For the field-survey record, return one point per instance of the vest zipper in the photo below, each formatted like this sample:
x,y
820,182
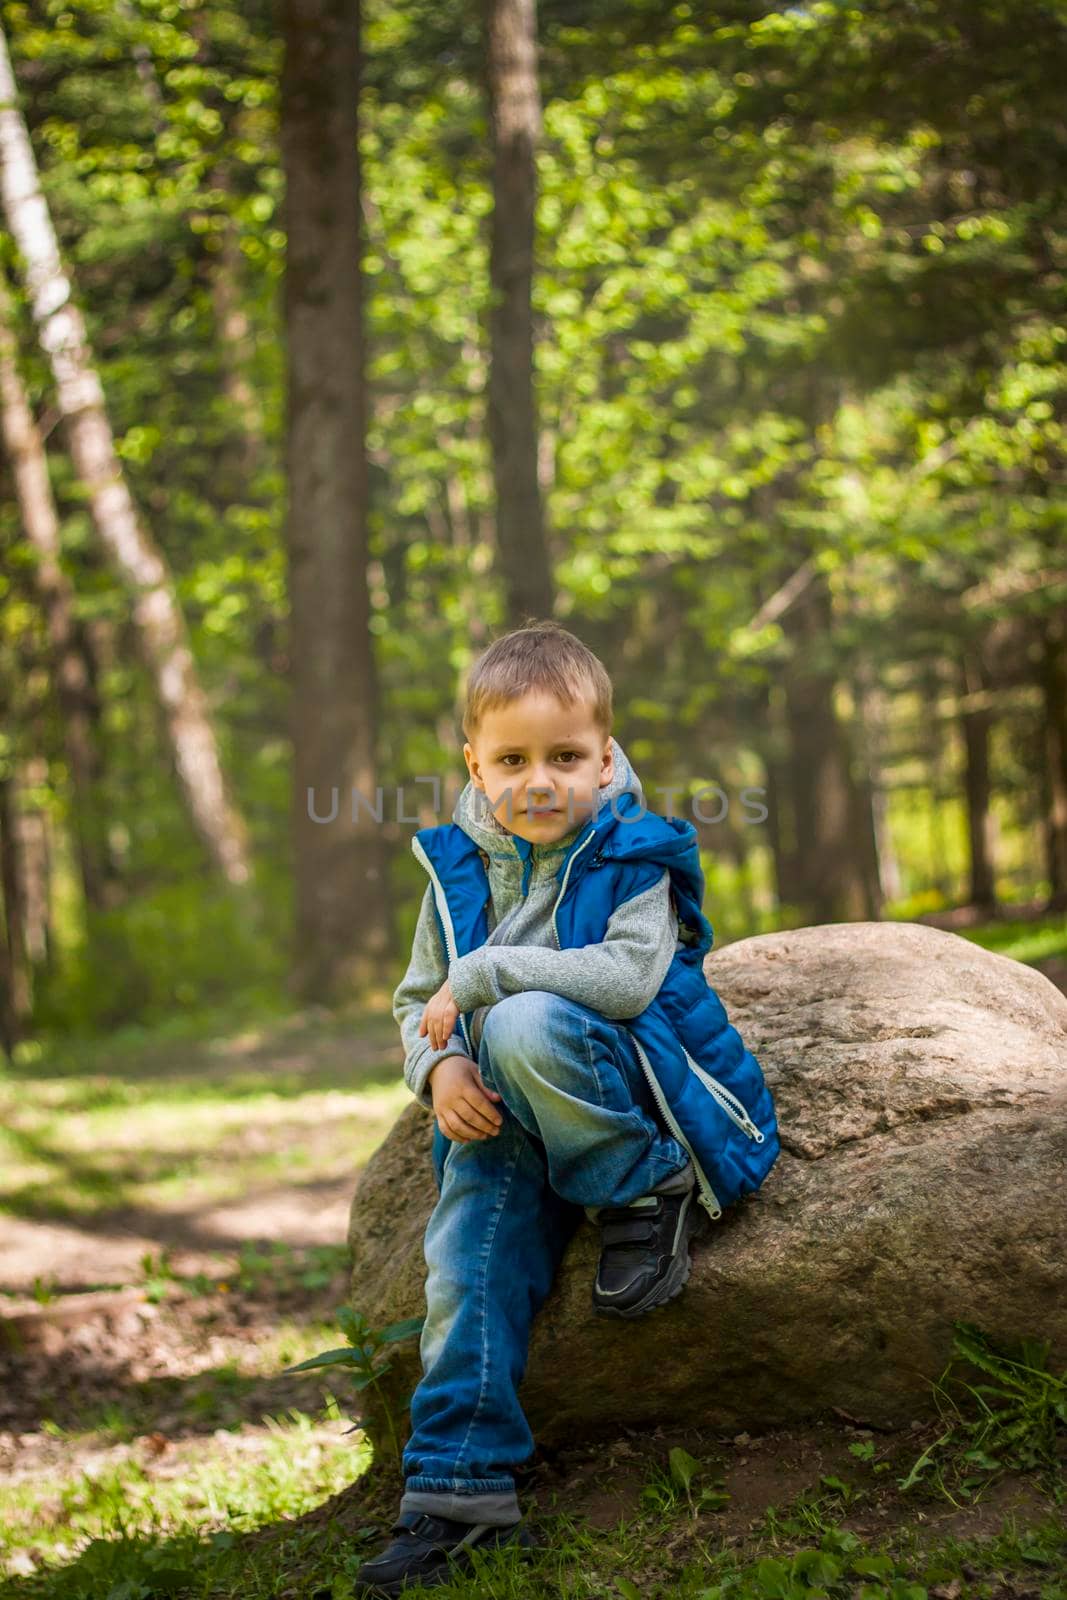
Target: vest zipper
x,y
729,1102
563,886
446,922
708,1198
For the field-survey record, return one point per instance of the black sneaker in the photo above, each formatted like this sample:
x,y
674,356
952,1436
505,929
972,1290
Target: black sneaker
x,y
431,1550
644,1253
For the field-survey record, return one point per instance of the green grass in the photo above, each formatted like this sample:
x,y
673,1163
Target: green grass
x,y
279,1471
120,1533
245,1516
295,1050
92,1126
1030,940
1023,941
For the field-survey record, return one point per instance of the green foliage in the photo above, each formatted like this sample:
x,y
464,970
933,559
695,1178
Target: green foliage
x,y
1013,1423
361,1355
183,944
797,298
665,1489
135,1535
1040,940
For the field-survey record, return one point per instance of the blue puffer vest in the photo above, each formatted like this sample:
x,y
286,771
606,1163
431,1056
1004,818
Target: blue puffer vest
x,y
708,1086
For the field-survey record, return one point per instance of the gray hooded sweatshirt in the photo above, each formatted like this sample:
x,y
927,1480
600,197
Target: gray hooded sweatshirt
x,y
618,978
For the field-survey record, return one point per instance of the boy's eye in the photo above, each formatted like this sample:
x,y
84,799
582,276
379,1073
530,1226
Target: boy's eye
x,y
564,753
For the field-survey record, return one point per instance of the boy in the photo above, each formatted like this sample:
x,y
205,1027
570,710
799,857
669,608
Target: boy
x,y
557,1022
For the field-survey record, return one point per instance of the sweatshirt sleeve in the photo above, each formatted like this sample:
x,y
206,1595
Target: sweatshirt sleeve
x,y
427,971
618,977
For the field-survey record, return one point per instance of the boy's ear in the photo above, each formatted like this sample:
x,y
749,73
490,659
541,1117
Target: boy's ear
x,y
472,766
607,770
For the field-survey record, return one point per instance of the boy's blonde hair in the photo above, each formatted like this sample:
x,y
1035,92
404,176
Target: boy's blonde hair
x,y
539,655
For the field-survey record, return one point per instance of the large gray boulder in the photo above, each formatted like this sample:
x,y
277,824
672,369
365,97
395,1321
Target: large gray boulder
x,y
921,1087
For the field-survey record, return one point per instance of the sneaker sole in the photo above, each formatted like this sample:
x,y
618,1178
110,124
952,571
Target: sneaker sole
x,y
669,1286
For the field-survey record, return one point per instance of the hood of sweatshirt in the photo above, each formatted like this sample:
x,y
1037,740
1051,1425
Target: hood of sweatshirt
x,y
473,814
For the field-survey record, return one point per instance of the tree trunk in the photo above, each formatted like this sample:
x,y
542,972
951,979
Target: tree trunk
x,y
941,785
245,454
33,850
515,125
882,879
75,693
780,824
343,922
864,845
232,325
830,855
976,725
15,986
784,877
138,563
1053,672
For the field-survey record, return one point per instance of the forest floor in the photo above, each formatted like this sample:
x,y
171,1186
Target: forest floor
x,y
172,1218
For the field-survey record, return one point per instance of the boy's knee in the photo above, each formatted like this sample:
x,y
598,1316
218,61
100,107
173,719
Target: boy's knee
x,y
516,1025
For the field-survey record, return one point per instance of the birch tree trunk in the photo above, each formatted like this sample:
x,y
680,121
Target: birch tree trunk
x,y
515,122
139,564
34,852
16,994
40,522
343,919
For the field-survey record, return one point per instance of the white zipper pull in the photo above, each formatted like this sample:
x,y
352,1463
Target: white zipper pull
x,y
726,1099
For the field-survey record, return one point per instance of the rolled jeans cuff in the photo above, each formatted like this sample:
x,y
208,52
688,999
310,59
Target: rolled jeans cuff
x,y
495,1505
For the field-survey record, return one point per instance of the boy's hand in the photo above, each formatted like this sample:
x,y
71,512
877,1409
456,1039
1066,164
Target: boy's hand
x,y
440,1016
462,1102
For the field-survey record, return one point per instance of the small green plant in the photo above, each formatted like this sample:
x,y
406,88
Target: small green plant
x,y
44,1292
839,1489
158,1276
812,1512
258,1266
361,1354
323,1264
1019,1413
665,1488
864,1451
839,1567
276,1267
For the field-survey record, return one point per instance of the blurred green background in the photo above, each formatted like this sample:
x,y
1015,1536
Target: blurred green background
x,y
798,368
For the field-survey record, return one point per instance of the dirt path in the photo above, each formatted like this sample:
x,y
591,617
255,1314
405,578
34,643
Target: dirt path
x,y
109,1248
206,1150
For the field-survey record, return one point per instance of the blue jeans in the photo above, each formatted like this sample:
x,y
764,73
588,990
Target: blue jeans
x,y
579,1130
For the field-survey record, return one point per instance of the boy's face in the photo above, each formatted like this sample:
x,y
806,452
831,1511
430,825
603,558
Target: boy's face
x,y
552,758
